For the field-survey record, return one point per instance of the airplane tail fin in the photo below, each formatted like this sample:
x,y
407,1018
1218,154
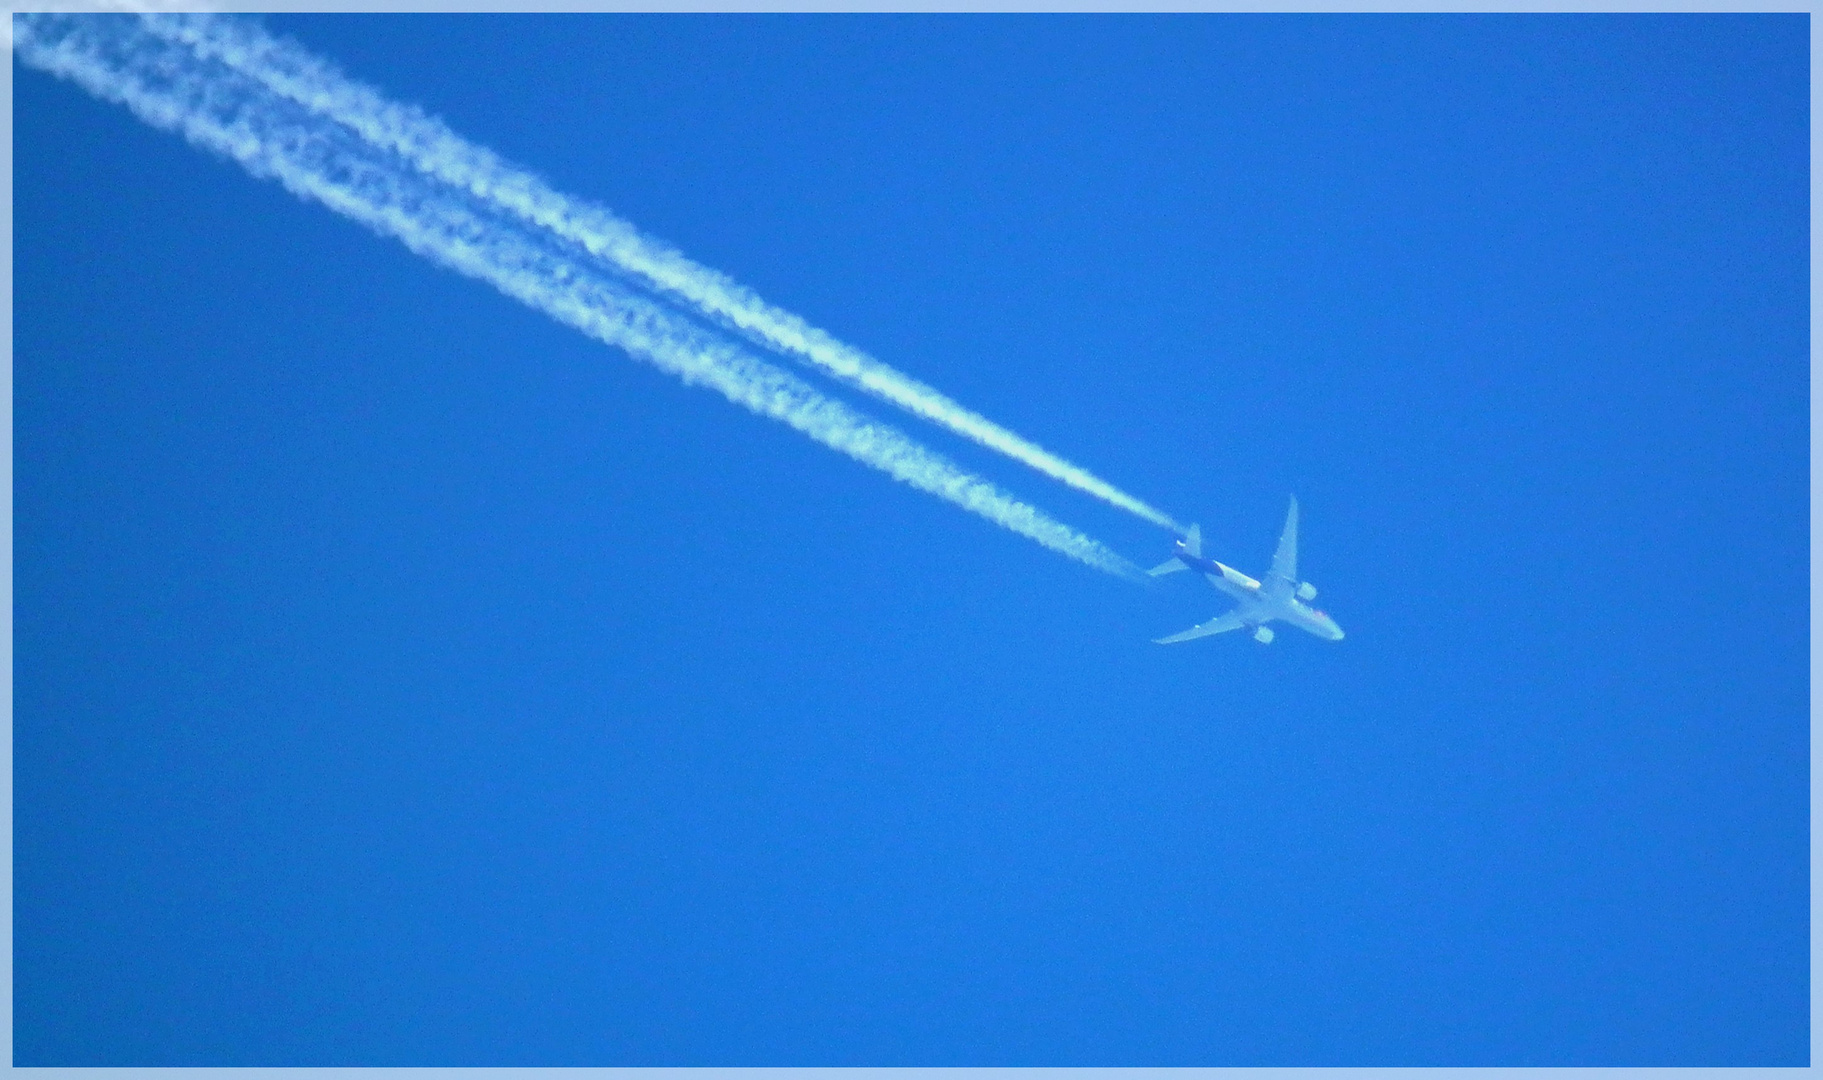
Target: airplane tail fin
x,y
1193,545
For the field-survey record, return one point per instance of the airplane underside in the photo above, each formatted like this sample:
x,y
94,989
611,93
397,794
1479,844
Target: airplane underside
x,y
1280,598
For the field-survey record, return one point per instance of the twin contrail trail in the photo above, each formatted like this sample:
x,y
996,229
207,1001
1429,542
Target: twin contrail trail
x,y
154,66
432,148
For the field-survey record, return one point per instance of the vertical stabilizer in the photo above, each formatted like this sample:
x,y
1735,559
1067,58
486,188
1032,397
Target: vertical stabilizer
x,y
1191,543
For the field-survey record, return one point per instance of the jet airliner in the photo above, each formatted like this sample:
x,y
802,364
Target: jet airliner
x,y
1279,598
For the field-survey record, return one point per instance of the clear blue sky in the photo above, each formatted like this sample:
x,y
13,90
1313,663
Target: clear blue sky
x,y
403,678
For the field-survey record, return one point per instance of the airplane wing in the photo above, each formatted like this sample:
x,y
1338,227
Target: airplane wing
x,y
1285,559
1221,624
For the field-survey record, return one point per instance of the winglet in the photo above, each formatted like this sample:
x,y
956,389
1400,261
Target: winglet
x,y
1193,540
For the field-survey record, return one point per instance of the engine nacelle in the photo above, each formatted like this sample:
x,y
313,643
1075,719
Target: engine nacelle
x,y
1262,635
1307,591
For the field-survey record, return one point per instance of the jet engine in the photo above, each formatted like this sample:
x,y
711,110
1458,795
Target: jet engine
x,y
1262,635
1307,591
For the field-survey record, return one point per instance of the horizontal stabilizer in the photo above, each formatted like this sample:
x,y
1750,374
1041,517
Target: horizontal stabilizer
x,y
1169,566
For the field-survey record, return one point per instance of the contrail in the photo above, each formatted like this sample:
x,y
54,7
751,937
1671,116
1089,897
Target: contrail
x,y
431,147
115,59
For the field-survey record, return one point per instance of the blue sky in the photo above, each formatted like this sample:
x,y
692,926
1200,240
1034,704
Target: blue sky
x,y
403,678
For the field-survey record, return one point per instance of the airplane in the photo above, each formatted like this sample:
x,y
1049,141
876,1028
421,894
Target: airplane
x,y
1279,598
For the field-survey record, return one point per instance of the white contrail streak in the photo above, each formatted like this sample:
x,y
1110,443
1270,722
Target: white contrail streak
x,y
431,147
212,107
